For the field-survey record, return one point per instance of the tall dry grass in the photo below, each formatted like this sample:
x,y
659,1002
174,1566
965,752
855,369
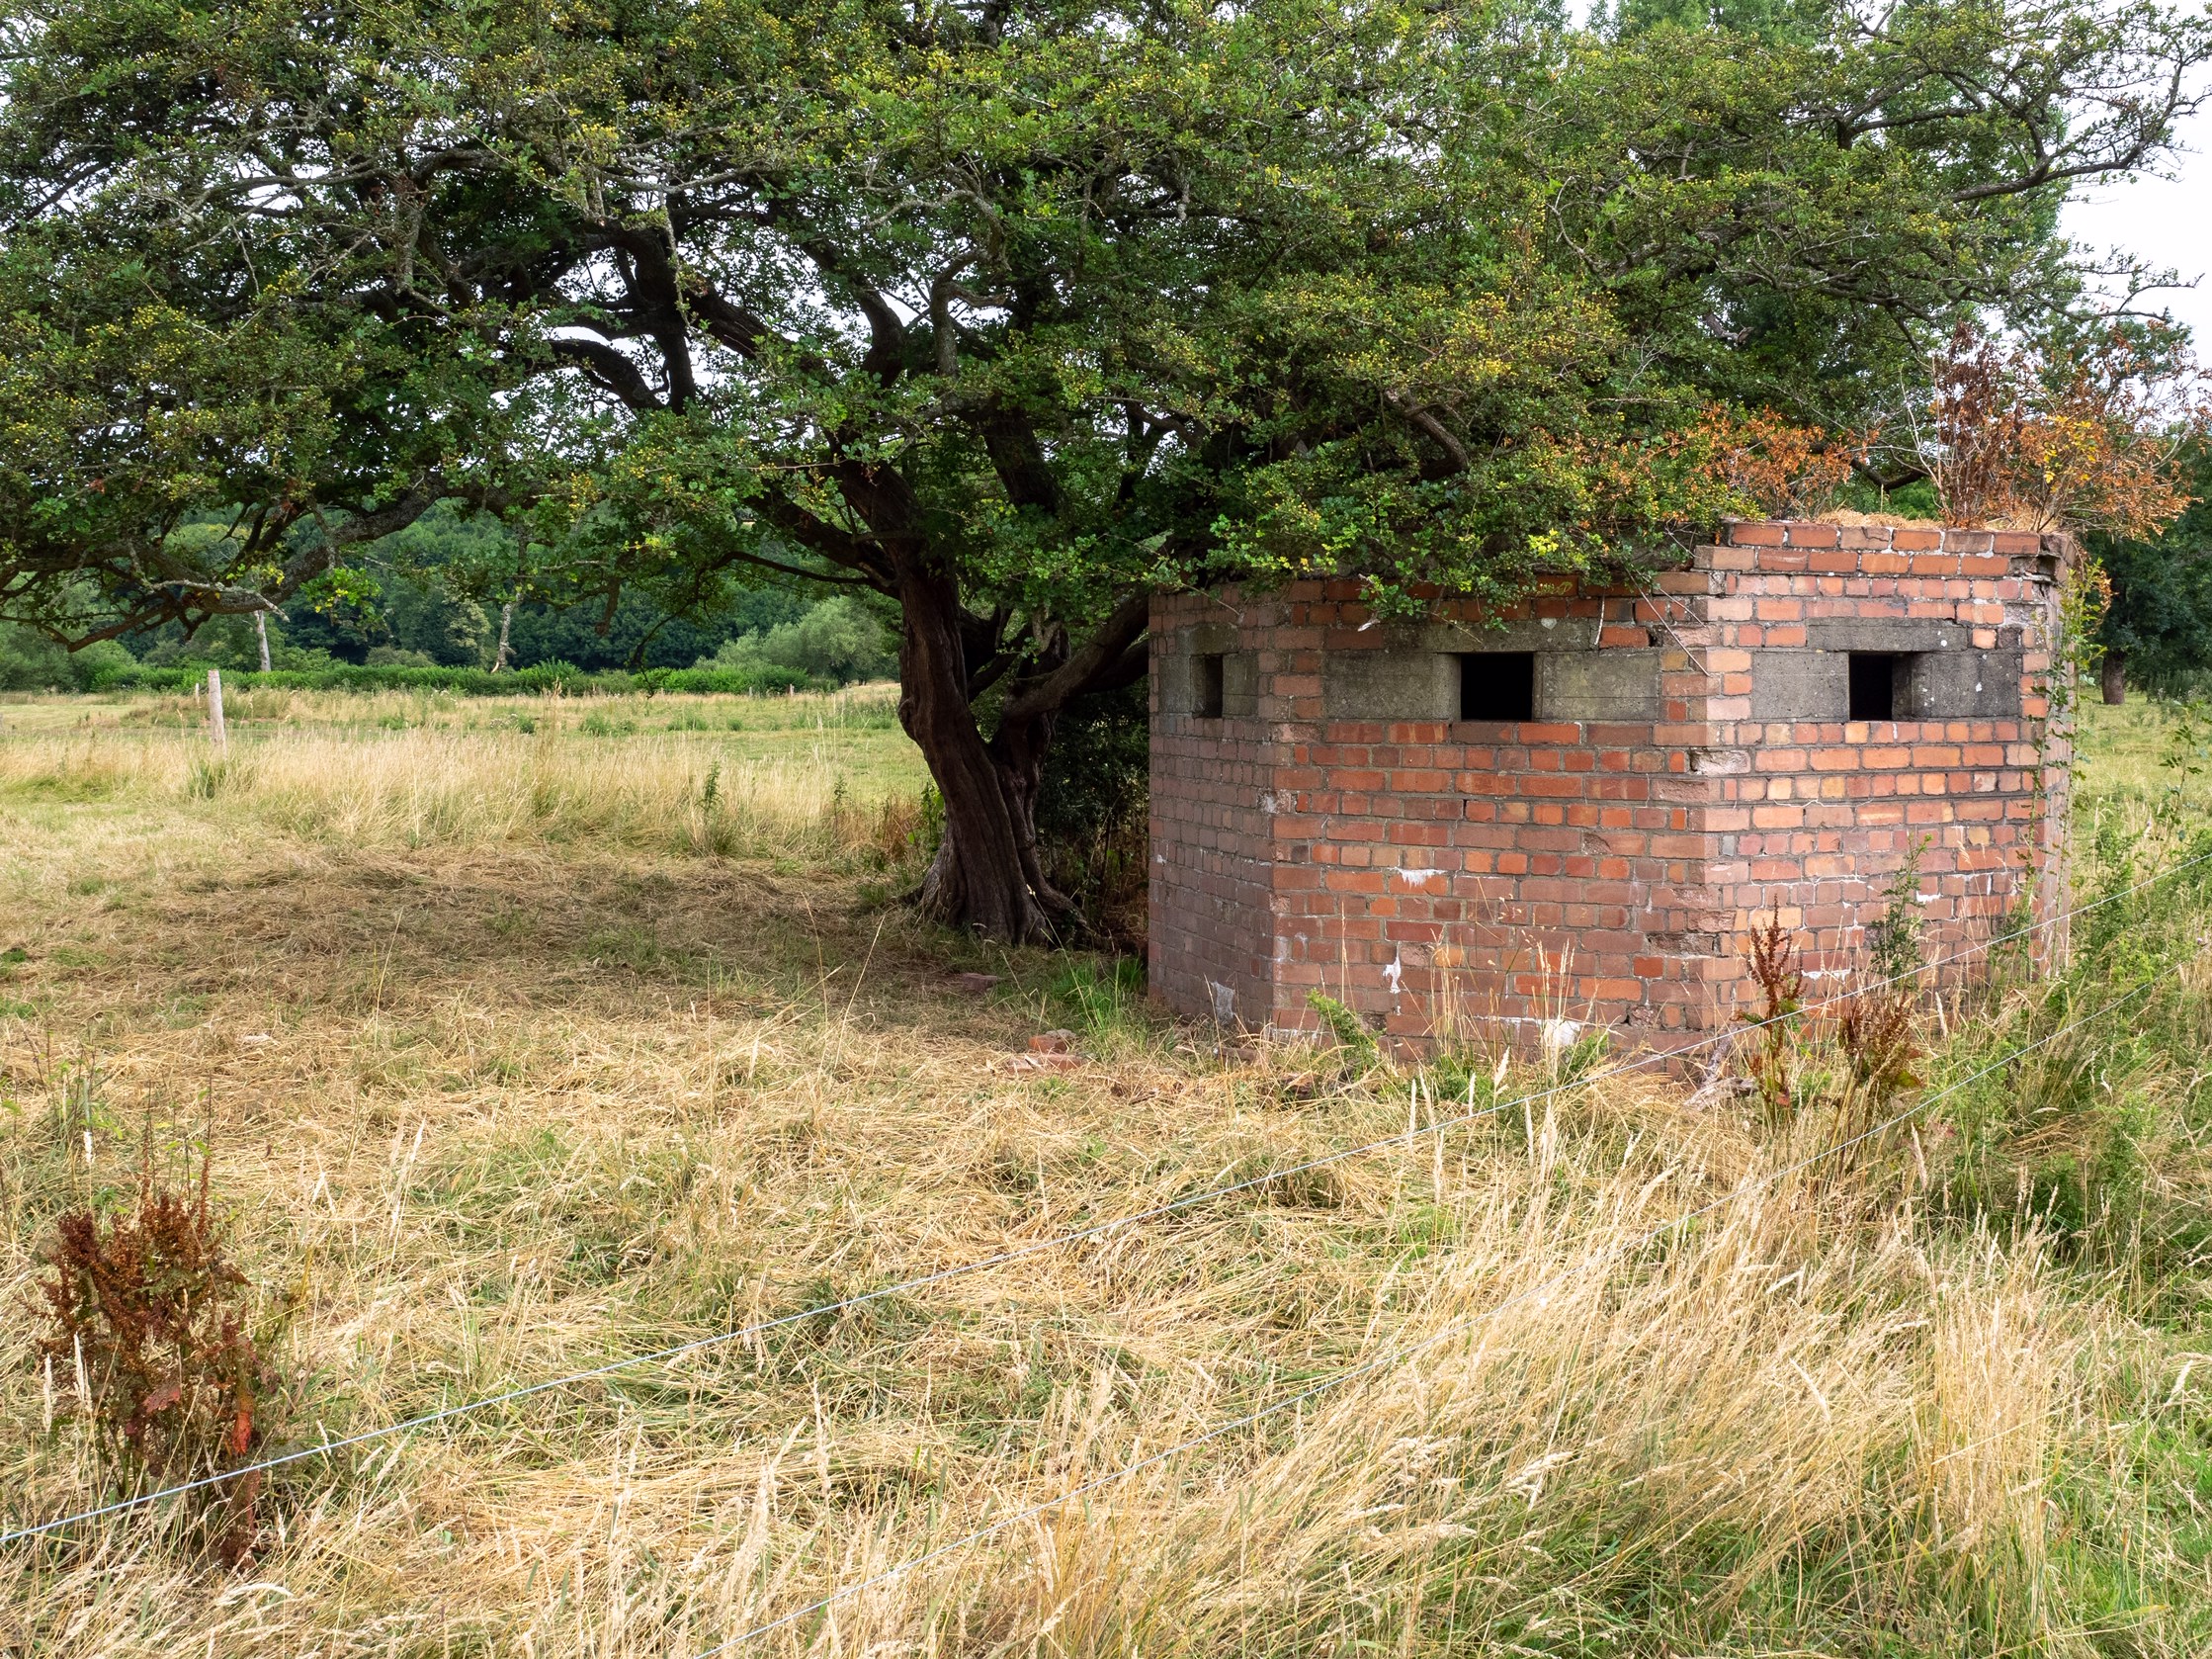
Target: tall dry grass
x,y
422,787
507,1090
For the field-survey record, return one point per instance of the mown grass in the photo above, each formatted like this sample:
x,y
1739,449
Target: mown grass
x,y
507,1071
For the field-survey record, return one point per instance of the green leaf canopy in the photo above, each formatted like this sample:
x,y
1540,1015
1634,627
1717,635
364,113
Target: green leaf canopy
x,y
1068,296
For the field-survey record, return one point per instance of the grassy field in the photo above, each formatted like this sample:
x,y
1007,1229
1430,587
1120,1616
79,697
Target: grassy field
x,y
526,1035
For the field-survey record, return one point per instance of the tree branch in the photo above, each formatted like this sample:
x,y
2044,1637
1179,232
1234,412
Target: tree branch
x,y
1427,420
1086,668
611,371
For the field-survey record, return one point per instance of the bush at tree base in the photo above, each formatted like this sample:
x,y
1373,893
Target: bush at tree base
x,y
1093,809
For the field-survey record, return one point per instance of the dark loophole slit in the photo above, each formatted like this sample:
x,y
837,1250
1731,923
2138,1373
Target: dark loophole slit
x,y
1498,686
1208,685
1875,676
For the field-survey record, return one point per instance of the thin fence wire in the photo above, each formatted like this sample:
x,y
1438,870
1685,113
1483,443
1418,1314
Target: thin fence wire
x,y
923,1281
1398,1355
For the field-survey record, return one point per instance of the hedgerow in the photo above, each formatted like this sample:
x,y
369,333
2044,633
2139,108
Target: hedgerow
x,y
468,682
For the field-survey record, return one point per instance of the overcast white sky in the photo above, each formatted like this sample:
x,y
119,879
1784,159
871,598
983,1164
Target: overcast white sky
x,y
2168,222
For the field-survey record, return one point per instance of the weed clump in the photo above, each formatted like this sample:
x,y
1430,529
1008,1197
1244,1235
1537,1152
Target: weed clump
x,y
1876,1026
1781,985
205,780
1879,1037
1356,1048
146,1321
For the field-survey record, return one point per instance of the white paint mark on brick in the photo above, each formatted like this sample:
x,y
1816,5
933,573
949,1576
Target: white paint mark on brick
x,y
1418,878
1395,973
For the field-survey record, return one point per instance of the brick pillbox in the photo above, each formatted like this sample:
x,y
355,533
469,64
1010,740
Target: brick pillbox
x,y
1454,826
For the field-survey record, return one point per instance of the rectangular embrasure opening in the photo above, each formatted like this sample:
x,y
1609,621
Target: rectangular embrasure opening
x,y
1208,684
1879,682
1498,686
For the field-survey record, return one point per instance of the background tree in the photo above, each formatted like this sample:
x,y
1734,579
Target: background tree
x,y
1008,311
2157,629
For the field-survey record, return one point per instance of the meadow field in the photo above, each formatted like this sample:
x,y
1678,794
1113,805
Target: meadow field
x,y
521,1037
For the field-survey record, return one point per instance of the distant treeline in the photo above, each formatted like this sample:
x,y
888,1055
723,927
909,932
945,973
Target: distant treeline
x,y
409,625
564,677
29,662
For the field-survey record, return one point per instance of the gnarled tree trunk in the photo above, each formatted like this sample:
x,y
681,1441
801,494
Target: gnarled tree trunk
x,y
978,877
2115,676
1017,754
988,873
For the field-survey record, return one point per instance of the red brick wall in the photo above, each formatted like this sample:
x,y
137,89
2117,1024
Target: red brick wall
x,y
1437,874
1212,859
1822,814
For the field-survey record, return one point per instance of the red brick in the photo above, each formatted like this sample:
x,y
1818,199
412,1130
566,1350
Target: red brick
x,y
1756,534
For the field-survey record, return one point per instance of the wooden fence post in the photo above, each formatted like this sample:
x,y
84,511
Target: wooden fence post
x,y
216,733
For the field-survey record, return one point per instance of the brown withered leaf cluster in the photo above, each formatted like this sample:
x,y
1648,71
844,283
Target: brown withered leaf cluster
x,y
146,1323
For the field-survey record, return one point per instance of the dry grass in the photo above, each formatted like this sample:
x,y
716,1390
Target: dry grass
x,y
438,782
513,1069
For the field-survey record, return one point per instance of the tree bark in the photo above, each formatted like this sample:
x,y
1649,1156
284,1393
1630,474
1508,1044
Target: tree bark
x,y
1017,755
261,636
2115,676
979,877
506,623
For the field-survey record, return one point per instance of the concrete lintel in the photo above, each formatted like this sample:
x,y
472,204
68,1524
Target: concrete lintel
x,y
1529,633
1597,686
1389,683
1886,633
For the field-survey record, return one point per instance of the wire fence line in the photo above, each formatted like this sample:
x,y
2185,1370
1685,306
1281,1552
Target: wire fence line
x,y
1397,1355
721,1338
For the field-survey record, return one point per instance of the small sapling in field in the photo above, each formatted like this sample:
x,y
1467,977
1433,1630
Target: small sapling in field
x,y
147,1337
